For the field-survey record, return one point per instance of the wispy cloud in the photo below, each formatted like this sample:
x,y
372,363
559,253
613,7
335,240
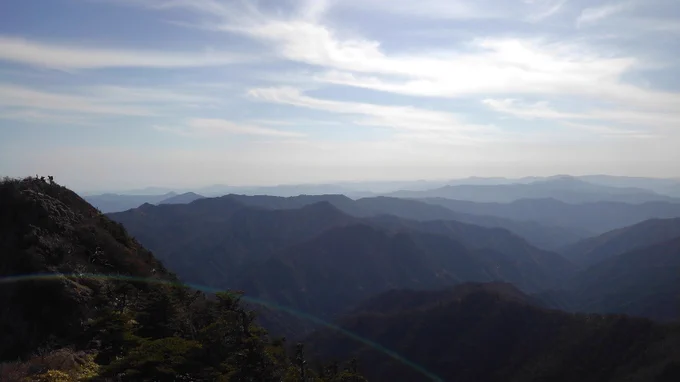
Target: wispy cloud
x,y
648,124
439,9
147,95
544,8
41,117
19,96
78,104
484,66
395,117
594,14
208,127
463,83
70,56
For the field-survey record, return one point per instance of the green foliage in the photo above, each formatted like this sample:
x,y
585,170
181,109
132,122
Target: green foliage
x,y
160,359
105,329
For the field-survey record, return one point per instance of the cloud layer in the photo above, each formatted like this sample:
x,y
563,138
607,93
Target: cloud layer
x,y
427,84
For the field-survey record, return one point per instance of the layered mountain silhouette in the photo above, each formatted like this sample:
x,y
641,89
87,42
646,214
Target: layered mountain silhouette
x,y
595,217
418,291
642,282
546,236
493,332
184,198
596,249
565,188
213,240
115,202
341,267
320,261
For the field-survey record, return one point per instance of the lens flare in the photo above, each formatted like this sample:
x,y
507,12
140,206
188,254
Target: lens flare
x,y
208,289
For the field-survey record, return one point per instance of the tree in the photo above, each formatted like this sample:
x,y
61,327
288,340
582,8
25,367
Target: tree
x,y
158,360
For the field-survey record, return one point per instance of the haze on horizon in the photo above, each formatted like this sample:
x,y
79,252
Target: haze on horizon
x,y
123,94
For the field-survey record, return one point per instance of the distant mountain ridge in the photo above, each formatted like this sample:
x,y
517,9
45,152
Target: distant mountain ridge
x,y
546,236
596,217
649,232
184,198
566,188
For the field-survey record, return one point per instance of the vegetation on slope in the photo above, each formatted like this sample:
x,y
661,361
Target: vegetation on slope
x,y
491,332
131,322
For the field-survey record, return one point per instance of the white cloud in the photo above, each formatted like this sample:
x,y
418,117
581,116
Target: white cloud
x,y
440,9
544,8
207,127
396,117
486,66
649,124
506,64
66,56
594,14
19,96
40,117
157,95
538,110
80,104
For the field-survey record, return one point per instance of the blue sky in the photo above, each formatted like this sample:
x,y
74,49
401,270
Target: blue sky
x,y
129,93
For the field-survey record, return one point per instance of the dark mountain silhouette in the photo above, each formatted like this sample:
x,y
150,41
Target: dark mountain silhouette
x,y
341,267
211,241
184,198
494,333
342,202
565,188
642,282
549,237
541,235
114,202
319,260
131,322
594,250
540,268
598,217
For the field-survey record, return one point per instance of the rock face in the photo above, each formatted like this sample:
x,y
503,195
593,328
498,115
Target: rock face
x,y
47,229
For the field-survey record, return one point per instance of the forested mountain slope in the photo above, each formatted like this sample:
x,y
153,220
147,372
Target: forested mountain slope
x,y
596,249
641,282
493,333
318,260
546,236
81,300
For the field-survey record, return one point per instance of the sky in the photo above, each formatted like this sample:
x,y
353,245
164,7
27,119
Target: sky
x,y
107,94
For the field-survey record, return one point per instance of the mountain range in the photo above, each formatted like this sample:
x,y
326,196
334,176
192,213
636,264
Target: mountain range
x,y
611,244
567,189
305,253
322,261
593,217
545,236
406,290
